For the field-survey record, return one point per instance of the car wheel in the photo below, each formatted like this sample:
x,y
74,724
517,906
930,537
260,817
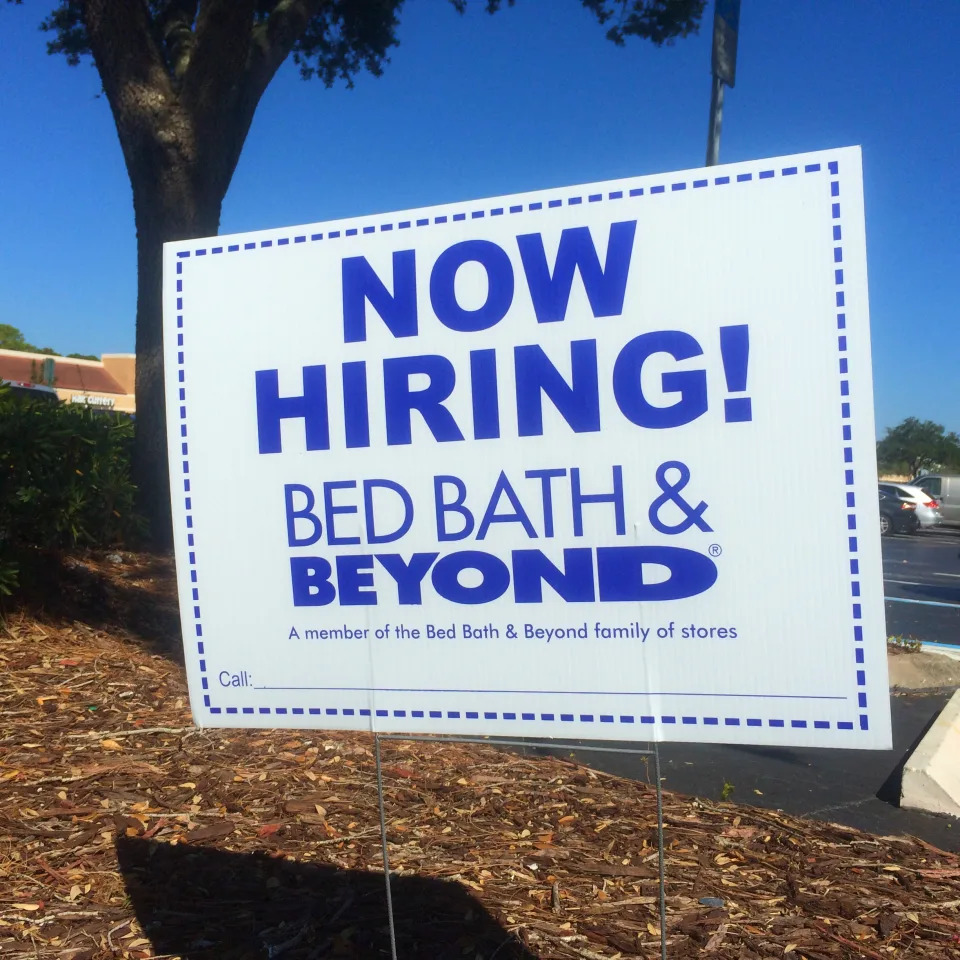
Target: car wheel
x,y
886,527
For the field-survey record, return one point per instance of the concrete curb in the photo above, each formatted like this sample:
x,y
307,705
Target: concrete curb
x,y
944,649
931,775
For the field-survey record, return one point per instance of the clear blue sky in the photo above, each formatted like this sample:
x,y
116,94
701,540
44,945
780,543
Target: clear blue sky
x,y
533,97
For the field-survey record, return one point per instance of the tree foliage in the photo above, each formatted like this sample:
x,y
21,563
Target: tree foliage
x,y
917,445
659,21
330,39
341,37
184,78
12,339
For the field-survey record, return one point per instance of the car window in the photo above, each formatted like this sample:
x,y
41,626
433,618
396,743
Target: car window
x,y
930,485
32,394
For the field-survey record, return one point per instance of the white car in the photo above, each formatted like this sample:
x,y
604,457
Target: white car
x,y
928,509
30,391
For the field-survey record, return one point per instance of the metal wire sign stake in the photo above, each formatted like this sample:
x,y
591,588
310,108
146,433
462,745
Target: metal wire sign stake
x,y
550,745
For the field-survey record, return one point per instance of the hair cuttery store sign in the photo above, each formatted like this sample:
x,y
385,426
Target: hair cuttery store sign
x,y
92,401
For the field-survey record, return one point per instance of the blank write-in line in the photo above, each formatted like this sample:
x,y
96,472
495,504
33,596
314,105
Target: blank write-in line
x,y
572,693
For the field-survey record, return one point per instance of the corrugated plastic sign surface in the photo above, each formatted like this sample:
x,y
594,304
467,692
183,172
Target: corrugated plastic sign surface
x,y
591,462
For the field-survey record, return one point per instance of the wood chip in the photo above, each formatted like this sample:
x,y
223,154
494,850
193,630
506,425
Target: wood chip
x,y
120,823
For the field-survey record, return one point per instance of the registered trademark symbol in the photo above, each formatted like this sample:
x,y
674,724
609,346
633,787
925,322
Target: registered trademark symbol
x,y
715,550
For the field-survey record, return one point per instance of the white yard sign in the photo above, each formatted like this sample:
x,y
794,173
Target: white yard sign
x,y
588,462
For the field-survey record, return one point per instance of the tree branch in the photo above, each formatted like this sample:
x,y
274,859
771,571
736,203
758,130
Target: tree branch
x,y
270,44
220,56
132,70
175,27
121,41
278,36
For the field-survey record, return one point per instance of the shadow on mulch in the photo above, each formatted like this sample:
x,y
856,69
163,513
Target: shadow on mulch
x,y
204,904
135,597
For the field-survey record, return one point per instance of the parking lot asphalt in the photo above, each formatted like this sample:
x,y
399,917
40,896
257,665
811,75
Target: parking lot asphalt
x,y
859,788
921,583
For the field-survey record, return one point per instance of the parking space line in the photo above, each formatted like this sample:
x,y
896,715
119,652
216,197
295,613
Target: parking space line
x,y
924,603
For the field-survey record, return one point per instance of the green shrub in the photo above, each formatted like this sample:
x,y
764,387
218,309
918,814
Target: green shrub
x,y
64,479
908,644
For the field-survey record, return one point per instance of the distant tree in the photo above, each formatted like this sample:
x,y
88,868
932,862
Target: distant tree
x,y
184,78
12,339
915,445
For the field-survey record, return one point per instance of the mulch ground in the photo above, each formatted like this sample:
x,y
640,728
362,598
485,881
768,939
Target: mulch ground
x,y
127,832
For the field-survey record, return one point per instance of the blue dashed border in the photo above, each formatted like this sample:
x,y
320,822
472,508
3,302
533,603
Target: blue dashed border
x,y
832,168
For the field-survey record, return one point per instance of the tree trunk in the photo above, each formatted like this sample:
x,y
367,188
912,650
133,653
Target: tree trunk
x,y
181,133
172,211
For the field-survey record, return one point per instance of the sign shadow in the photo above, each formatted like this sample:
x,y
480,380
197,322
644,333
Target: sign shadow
x,y
199,903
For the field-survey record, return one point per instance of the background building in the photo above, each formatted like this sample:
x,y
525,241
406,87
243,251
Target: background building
x,y
107,383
